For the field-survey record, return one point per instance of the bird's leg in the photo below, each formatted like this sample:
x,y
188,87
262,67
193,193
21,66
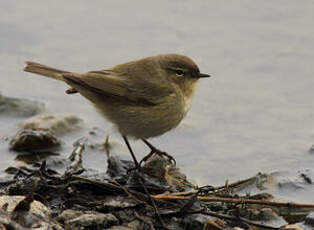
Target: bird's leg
x,y
137,165
141,180
154,150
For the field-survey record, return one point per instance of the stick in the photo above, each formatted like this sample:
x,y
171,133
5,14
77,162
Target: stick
x,y
236,200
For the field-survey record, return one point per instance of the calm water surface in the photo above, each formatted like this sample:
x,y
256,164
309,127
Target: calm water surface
x,y
256,114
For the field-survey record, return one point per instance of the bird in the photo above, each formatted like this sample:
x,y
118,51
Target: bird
x,y
143,98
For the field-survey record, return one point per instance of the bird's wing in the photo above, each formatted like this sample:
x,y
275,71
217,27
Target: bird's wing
x,y
119,87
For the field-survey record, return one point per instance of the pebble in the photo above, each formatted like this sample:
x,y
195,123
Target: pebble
x,y
30,140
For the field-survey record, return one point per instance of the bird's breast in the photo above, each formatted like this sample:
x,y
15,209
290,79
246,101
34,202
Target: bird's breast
x,y
187,104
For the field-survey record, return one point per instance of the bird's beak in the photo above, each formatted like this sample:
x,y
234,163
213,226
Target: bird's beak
x,y
201,75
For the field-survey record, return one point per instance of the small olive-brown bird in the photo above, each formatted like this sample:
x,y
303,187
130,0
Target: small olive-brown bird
x,y
143,98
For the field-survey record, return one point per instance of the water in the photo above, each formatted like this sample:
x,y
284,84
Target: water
x,y
255,114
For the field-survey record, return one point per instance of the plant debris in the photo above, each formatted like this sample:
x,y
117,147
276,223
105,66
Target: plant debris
x,y
158,196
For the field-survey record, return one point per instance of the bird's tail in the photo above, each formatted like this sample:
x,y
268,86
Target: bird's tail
x,y
43,70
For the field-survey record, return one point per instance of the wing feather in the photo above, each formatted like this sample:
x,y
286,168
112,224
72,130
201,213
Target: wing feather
x,y
119,87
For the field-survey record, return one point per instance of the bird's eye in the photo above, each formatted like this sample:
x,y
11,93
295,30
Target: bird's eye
x,y
179,72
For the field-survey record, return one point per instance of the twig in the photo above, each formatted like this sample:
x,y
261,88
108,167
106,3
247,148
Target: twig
x,y
116,188
189,204
43,172
7,183
238,183
218,215
217,189
107,185
76,158
236,200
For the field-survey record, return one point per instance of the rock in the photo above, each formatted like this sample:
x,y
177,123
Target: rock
x,y
196,221
29,140
22,213
50,157
309,219
116,203
97,221
126,215
263,214
57,124
36,208
19,107
69,214
145,223
117,168
88,219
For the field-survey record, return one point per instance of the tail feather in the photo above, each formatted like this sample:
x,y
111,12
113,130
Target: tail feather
x,y
47,71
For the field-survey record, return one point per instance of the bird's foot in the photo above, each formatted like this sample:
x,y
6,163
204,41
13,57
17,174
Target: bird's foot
x,y
154,150
160,153
148,156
